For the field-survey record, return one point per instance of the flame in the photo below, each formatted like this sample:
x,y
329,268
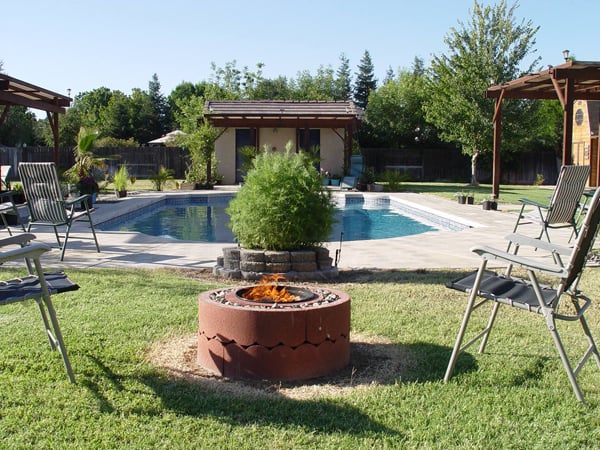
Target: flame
x,y
268,289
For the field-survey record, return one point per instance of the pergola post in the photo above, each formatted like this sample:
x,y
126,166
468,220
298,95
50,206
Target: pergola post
x,y
497,146
567,156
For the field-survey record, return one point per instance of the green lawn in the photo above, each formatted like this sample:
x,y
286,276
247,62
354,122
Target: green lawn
x,y
515,396
508,193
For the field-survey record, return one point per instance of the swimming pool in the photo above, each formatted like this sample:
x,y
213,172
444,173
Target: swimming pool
x,y
203,219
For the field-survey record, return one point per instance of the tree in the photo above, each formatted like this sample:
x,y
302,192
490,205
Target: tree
x,y
365,81
488,49
115,118
141,114
395,111
199,139
161,116
20,128
343,81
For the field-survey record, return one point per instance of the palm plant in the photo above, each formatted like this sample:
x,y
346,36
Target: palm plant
x,y
85,159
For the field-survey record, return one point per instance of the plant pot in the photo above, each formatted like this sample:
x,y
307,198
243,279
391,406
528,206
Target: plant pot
x,y
470,200
187,186
490,205
121,194
462,199
203,186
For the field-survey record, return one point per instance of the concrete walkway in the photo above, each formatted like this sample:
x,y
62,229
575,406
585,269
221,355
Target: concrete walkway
x,y
437,249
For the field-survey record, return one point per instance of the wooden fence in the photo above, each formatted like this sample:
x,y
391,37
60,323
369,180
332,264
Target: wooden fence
x,y
429,164
141,161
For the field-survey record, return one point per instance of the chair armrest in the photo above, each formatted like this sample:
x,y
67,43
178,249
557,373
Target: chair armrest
x,y
29,251
532,203
77,199
521,240
17,239
527,263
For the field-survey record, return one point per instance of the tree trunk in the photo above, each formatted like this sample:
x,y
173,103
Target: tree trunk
x,y
474,157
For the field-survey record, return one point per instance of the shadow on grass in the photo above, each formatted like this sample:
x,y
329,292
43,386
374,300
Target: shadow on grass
x,y
417,276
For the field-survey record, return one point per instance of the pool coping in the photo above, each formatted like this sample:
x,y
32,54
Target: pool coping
x,y
433,249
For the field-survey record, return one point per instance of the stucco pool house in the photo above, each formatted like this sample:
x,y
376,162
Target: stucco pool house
x,y
327,125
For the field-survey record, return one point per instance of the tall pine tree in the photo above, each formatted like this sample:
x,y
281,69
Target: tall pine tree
x,y
343,81
365,81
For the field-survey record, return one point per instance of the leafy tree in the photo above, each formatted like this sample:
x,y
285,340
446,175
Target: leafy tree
x,y
236,84
273,89
365,81
395,110
199,139
20,128
115,118
343,81
141,114
321,86
490,47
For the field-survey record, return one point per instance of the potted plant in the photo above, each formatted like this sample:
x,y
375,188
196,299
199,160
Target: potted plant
x,y
88,185
490,204
120,181
470,198
282,182
161,178
461,197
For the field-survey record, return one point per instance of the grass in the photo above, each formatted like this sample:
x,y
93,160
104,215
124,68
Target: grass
x,y
514,396
508,193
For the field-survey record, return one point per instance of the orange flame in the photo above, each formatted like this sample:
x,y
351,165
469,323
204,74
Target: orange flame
x,y
268,289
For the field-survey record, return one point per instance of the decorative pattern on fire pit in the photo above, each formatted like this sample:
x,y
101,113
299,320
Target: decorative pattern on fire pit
x,y
238,338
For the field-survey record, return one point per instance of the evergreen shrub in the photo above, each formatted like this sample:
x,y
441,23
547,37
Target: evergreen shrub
x,y
281,205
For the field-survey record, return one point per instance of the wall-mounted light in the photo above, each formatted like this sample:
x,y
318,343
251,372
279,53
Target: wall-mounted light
x,y
566,54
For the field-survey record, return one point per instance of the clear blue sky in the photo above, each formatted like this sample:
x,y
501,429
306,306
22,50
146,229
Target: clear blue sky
x,y
85,44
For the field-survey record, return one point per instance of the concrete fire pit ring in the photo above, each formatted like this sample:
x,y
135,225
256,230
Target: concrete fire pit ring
x,y
239,338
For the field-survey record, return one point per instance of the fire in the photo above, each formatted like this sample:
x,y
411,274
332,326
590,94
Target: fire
x,y
268,289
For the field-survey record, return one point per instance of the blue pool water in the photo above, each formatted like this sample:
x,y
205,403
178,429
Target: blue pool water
x,y
207,222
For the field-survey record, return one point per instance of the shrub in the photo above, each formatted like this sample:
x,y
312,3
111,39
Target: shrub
x,y
161,178
281,205
121,178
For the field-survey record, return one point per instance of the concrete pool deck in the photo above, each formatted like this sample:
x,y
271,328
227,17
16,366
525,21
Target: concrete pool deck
x,y
436,249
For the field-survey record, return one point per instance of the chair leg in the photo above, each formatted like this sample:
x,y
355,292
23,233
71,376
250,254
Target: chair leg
x,y
488,328
52,327
94,233
565,360
458,347
64,247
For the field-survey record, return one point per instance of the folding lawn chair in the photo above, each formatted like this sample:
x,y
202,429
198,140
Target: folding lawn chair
x,y
36,285
561,212
528,294
47,207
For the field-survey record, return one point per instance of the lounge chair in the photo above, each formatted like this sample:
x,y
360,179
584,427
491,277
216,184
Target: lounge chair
x,y
529,295
348,183
36,285
561,212
47,207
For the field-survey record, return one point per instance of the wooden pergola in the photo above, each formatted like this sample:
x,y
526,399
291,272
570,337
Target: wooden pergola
x,y
15,92
573,80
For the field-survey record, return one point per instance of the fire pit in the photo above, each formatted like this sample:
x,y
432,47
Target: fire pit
x,y
274,332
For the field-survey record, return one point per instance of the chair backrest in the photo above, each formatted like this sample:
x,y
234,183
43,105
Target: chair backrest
x,y
567,194
585,240
43,192
4,173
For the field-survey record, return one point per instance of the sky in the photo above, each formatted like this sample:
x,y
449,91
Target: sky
x,y
80,45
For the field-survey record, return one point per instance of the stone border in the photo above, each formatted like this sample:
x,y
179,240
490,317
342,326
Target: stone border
x,y
302,265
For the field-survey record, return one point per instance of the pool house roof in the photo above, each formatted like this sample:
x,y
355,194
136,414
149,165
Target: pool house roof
x,y
283,113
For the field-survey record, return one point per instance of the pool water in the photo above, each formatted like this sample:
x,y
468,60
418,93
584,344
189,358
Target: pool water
x,y
208,223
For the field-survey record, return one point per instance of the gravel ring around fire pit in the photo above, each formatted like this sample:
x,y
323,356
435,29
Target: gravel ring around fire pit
x,y
374,361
